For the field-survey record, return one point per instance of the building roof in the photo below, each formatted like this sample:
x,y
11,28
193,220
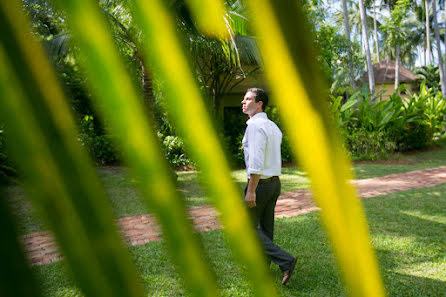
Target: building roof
x,y
384,72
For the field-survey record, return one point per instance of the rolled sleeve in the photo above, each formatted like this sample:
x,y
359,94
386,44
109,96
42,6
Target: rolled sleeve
x,y
257,145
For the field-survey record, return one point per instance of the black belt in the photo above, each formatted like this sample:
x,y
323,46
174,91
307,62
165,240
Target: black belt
x,y
267,180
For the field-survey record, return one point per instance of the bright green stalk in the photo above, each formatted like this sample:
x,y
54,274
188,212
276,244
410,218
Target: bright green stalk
x,y
187,110
298,91
121,106
57,173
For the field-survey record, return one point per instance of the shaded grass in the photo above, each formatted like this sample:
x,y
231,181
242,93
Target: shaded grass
x,y
126,200
408,231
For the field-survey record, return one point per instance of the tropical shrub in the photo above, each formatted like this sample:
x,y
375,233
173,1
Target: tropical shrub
x,y
99,144
430,75
414,137
368,145
373,130
435,110
173,148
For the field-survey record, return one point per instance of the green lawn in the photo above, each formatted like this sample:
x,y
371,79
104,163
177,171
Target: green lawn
x,y
408,232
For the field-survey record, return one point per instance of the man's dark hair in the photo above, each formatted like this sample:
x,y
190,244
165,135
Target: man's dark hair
x,y
260,95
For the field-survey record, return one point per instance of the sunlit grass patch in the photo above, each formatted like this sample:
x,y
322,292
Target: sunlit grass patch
x,y
411,251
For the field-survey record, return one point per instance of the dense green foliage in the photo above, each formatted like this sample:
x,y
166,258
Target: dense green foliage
x,y
364,141
99,144
431,76
373,130
332,50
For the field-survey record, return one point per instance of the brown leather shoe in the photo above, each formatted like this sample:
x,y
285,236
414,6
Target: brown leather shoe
x,y
287,274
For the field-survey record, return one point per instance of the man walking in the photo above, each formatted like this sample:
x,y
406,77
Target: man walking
x,y
261,146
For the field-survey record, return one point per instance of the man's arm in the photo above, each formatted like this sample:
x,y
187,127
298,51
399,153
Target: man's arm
x,y
250,197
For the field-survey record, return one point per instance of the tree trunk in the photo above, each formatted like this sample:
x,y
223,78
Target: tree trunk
x,y
375,31
444,42
347,35
428,40
366,46
397,67
149,100
437,40
147,88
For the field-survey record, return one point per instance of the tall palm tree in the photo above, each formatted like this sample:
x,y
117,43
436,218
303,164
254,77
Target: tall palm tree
x,y
444,33
396,32
347,35
442,5
367,49
440,58
377,11
397,67
125,33
414,43
415,36
428,41
355,22
425,29
375,31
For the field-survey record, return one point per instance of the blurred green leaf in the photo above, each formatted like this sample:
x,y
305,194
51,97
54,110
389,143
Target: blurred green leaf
x,y
186,107
57,173
16,278
299,93
120,105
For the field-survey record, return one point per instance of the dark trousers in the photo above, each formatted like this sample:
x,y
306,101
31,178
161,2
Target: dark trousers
x,y
263,218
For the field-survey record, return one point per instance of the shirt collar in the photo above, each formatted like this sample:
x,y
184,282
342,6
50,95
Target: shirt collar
x,y
260,115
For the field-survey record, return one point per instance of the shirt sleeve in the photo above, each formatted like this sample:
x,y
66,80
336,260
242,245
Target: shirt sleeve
x,y
256,150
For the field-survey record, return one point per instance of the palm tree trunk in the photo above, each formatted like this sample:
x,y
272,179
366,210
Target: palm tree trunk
x,y
437,40
147,88
367,49
444,69
149,99
428,40
347,35
375,31
397,67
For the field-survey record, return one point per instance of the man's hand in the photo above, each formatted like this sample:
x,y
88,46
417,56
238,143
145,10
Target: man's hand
x,y
250,199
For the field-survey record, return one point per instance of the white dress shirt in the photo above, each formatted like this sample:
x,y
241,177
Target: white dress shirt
x,y
261,145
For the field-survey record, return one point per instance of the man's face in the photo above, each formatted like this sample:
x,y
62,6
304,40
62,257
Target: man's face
x,y
249,104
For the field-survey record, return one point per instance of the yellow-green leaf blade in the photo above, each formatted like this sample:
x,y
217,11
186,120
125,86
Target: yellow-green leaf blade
x,y
52,163
186,107
298,92
119,103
